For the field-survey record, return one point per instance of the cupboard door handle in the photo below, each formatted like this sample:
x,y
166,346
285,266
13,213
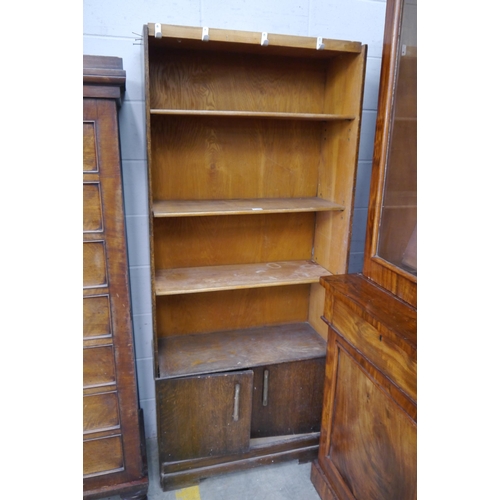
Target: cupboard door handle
x,y
236,409
266,388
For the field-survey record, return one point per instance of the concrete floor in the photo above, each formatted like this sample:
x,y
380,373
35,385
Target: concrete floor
x,y
285,481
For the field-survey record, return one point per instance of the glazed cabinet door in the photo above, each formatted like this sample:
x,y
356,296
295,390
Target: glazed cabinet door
x,y
206,415
287,398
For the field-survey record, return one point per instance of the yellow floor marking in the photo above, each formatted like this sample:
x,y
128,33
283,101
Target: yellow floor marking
x,y
191,493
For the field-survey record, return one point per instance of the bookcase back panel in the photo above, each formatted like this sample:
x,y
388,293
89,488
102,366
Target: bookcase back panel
x,y
238,239
233,309
206,158
202,80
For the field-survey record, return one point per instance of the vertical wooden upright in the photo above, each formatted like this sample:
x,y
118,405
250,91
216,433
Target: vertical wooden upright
x,y
113,437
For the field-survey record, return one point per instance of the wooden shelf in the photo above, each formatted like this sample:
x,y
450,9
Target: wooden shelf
x,y
237,349
232,277
186,208
255,114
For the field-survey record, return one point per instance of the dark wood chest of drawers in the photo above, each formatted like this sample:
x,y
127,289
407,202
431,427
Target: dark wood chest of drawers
x,y
113,443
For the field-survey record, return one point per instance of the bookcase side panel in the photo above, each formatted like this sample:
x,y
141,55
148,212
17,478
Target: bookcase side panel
x,y
337,172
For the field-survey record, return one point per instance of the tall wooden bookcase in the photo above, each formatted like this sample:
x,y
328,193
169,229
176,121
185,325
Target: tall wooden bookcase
x,y
252,149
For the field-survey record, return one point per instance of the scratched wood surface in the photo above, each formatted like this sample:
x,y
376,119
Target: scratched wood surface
x,y
231,277
238,349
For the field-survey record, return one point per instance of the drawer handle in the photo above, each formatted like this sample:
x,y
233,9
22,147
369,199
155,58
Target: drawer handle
x,y
266,388
236,410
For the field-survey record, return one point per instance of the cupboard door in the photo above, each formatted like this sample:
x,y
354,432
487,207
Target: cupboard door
x,y
287,398
372,445
202,416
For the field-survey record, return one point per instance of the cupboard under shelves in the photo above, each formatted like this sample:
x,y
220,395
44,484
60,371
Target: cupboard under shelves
x,y
252,153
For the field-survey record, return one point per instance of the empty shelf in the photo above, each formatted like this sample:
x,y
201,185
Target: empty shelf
x,y
237,349
254,114
186,208
231,277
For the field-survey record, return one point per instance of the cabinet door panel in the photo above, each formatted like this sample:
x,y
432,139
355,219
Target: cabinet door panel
x,y
204,416
294,398
373,442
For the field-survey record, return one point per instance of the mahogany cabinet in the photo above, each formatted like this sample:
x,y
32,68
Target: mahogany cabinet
x,y
114,458
252,151
368,444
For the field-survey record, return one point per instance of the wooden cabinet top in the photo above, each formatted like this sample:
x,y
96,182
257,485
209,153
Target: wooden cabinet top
x,y
103,77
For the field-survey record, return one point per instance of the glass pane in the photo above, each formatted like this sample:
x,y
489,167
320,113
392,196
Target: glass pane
x,y
398,225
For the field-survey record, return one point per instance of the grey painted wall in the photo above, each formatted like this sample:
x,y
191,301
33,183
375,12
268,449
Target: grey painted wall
x,y
110,28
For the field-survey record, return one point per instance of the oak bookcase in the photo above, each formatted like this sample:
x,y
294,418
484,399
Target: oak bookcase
x,y
252,143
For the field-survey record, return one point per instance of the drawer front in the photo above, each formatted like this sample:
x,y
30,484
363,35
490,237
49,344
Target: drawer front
x,y
94,264
98,366
92,207
207,415
102,455
377,347
89,147
100,412
96,316
287,398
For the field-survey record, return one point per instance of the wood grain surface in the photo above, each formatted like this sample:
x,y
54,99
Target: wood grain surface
x,y
232,239
215,278
231,309
213,158
232,350
255,206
